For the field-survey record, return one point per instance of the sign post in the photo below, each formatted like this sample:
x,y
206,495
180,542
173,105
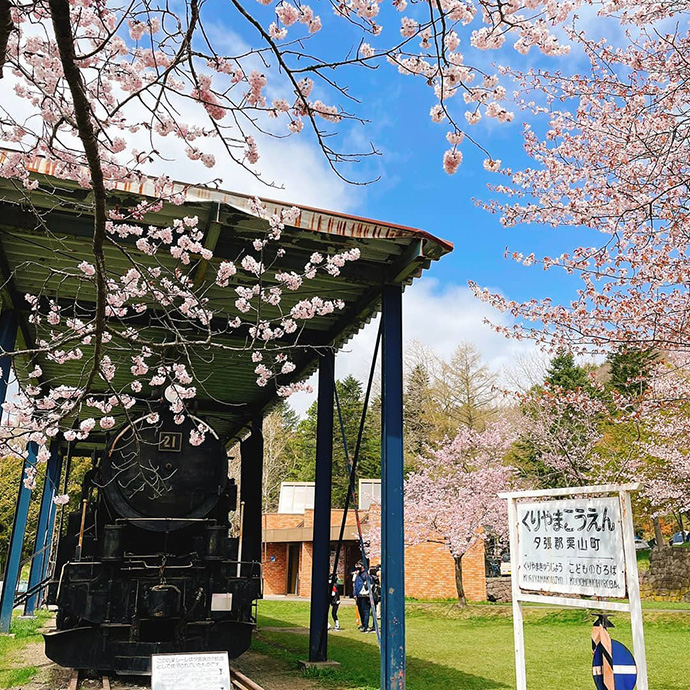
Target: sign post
x,y
576,541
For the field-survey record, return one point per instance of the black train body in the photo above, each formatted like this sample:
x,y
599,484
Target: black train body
x,y
156,572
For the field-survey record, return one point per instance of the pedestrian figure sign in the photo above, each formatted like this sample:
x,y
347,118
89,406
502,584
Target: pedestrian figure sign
x,y
624,668
613,666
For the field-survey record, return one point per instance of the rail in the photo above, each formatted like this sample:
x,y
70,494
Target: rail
x,y
240,682
75,678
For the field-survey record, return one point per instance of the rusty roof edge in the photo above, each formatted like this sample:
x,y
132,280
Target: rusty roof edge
x,y
311,218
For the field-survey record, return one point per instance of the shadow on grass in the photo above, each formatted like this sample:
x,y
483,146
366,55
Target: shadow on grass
x,y
360,661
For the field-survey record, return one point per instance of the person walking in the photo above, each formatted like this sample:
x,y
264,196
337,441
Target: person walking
x,y
358,610
362,592
375,580
335,601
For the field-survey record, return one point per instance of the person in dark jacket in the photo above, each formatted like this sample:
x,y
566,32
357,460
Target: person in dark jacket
x,y
375,579
335,600
362,592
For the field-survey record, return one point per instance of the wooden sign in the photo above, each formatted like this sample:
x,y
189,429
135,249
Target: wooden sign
x,y
572,546
575,540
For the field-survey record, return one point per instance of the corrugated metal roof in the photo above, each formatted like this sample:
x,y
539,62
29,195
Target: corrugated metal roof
x,y
228,396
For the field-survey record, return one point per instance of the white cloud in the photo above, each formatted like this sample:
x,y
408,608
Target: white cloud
x,y
295,165
300,172
439,317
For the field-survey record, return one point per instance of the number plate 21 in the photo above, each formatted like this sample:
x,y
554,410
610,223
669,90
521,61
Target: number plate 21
x,y
170,441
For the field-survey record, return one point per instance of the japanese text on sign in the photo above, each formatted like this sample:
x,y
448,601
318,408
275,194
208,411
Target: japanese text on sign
x,y
210,671
572,547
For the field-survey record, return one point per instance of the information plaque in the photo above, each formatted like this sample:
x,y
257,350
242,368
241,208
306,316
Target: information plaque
x,y
207,671
572,546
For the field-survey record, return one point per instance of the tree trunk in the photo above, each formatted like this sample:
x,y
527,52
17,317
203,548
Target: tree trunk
x,y
658,535
458,581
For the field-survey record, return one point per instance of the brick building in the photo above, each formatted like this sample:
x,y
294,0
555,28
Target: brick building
x,y
287,555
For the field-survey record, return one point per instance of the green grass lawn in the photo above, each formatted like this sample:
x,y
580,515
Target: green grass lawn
x,y
472,649
22,633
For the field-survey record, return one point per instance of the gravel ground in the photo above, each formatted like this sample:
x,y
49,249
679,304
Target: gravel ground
x,y
271,674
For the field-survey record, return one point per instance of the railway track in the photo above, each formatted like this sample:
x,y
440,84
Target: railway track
x,y
76,677
238,681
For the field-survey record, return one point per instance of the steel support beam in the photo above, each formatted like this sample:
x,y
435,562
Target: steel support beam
x,y
44,530
392,513
8,337
45,563
14,553
321,556
251,475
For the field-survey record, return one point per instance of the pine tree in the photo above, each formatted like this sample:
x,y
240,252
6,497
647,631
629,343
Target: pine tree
x,y
351,397
527,455
417,413
564,373
629,370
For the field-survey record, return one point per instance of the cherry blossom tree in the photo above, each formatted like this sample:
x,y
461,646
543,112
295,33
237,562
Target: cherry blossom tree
x,y
94,74
103,338
453,496
99,89
563,430
633,431
611,157
609,152
662,459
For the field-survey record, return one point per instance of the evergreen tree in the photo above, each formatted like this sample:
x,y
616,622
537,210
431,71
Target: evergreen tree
x,y
417,413
629,370
564,373
351,397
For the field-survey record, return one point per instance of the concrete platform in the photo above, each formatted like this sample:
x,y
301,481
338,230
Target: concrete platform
x,y
304,665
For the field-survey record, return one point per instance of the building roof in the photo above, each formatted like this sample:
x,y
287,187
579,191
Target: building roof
x,y
229,395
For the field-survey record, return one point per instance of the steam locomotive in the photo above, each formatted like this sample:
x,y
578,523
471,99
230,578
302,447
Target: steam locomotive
x,y
146,565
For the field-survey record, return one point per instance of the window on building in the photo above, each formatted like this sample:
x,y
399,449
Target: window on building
x,y
369,492
296,497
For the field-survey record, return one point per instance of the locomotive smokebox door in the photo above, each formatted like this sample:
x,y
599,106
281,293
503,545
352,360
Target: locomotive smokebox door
x,y
156,472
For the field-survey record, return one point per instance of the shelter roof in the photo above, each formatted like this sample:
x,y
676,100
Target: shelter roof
x,y
52,225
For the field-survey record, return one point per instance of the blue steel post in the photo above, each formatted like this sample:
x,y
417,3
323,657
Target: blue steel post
x,y
8,337
392,515
14,553
45,561
44,527
321,557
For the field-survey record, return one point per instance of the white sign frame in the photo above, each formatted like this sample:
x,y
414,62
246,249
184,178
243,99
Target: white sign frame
x,y
634,607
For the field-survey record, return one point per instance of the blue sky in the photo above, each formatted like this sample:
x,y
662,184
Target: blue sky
x,y
414,190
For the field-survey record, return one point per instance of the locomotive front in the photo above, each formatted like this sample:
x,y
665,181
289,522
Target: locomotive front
x,y
146,566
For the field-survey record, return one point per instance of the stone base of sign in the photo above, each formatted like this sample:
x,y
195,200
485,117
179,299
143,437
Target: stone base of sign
x,y
498,589
668,577
304,665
